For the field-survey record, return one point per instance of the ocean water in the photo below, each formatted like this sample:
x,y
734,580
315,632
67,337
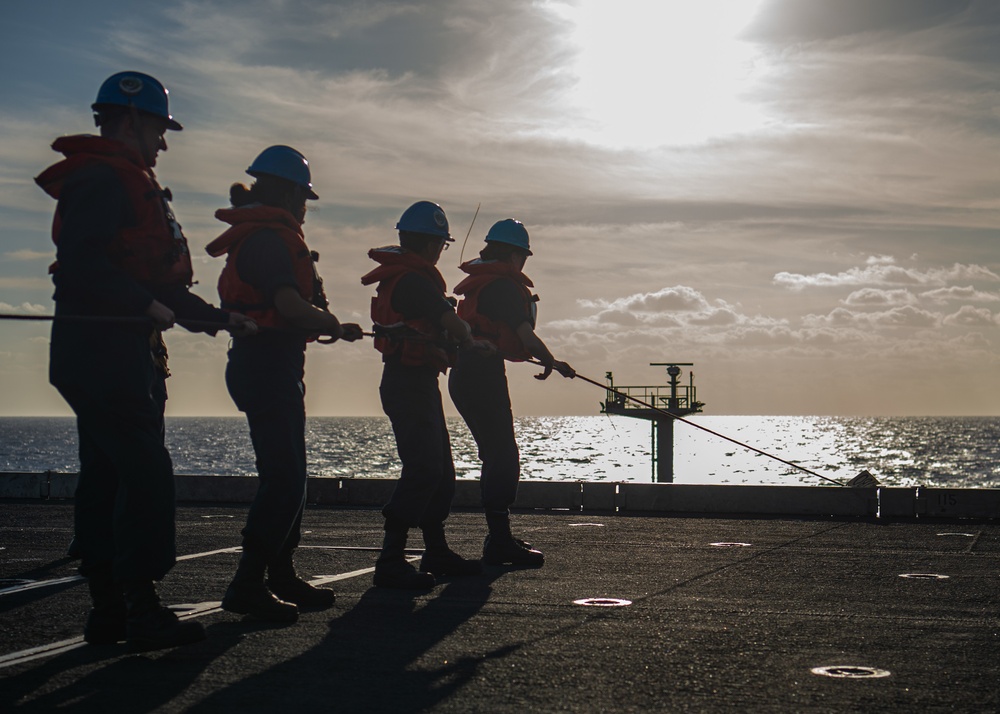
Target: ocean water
x,y
931,451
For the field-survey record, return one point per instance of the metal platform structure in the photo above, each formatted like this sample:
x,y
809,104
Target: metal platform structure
x,y
673,398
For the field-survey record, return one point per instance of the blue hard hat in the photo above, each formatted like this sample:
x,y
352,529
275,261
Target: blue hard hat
x,y
427,218
286,163
511,232
135,89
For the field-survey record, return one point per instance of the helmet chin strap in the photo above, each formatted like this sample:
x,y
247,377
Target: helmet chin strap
x,y
140,139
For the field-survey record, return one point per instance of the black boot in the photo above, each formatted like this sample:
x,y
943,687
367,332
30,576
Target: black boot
x,y
106,621
391,568
248,595
439,559
150,626
283,581
502,548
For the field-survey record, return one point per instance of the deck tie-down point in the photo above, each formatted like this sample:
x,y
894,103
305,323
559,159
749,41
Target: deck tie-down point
x,y
602,602
924,576
850,672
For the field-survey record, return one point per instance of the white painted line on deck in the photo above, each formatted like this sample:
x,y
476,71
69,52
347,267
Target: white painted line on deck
x,y
23,587
34,653
192,556
40,584
185,611
79,578
365,548
325,579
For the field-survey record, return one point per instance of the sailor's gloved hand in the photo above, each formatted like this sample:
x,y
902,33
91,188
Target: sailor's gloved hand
x,y
241,325
561,367
161,315
564,369
352,331
483,347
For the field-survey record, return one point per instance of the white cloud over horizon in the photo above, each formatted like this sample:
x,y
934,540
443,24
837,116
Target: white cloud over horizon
x,y
882,271
852,216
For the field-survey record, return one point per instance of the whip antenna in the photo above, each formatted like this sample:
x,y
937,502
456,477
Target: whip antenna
x,y
468,233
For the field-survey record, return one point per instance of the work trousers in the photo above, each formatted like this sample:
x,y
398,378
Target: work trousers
x,y
478,387
412,401
124,506
274,403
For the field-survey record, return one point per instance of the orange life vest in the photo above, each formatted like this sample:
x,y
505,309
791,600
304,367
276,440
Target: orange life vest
x,y
482,273
239,296
427,350
154,250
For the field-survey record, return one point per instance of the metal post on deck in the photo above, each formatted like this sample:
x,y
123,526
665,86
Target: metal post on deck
x,y
664,450
652,448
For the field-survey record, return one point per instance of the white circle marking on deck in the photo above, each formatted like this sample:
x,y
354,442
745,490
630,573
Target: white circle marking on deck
x,y
850,671
924,576
602,602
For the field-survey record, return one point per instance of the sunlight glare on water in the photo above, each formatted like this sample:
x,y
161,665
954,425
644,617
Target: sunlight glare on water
x,y
931,451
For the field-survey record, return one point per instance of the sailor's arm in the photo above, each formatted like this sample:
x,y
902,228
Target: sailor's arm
x,y
310,318
185,305
459,330
533,343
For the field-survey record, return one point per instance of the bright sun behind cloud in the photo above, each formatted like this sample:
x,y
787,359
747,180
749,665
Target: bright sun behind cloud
x,y
667,72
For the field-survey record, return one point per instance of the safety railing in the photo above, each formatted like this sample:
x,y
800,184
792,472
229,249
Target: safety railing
x,y
662,397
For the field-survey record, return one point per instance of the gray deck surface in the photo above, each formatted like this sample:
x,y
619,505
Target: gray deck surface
x,y
710,628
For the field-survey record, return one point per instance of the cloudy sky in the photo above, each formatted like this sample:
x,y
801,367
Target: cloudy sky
x,y
799,196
